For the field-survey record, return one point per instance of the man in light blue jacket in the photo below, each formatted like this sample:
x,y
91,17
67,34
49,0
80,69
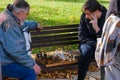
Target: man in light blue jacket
x,y
13,53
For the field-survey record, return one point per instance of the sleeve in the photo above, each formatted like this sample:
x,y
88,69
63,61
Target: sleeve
x,y
15,47
30,24
83,34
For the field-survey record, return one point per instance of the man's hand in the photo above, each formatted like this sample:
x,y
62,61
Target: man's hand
x,y
94,23
39,27
37,69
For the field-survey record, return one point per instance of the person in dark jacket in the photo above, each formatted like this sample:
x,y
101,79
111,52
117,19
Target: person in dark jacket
x,y
90,28
14,56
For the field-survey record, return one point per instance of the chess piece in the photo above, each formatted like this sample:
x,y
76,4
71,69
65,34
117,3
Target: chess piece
x,y
59,52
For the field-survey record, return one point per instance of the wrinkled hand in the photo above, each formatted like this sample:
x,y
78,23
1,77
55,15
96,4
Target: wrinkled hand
x,y
94,23
37,69
39,27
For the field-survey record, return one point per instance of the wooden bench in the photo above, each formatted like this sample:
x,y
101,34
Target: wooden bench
x,y
59,36
55,36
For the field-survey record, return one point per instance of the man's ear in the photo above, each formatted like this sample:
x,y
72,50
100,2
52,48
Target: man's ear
x,y
97,11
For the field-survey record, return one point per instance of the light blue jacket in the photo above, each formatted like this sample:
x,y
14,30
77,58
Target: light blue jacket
x,y
12,42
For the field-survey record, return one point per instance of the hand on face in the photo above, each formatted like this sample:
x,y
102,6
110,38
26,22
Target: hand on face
x,y
93,19
94,22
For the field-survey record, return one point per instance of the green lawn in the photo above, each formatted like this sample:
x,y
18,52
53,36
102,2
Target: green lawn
x,y
54,12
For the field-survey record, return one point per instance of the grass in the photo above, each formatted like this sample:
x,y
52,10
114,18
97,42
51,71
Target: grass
x,y
54,12
53,48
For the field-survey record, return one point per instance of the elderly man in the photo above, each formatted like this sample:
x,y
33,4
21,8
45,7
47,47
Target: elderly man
x,y
13,53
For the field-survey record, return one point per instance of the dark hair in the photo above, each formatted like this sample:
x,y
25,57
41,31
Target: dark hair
x,y
18,4
10,7
92,6
21,4
118,8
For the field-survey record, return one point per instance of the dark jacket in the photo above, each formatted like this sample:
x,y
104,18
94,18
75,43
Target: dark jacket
x,y
87,34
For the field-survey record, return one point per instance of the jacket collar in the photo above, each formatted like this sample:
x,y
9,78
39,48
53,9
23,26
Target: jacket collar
x,y
11,14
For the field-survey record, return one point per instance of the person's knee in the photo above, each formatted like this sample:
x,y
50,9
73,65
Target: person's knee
x,y
30,75
84,49
31,72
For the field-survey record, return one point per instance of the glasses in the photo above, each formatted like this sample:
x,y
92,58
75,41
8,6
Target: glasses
x,y
26,11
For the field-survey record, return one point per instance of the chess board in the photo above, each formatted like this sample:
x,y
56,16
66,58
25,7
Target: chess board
x,y
53,64
55,61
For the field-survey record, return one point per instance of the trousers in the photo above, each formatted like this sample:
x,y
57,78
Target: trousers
x,y
16,70
87,53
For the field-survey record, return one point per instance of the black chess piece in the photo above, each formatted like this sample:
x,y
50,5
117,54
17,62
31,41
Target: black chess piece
x,y
39,55
45,57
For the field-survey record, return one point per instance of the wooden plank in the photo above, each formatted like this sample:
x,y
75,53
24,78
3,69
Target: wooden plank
x,y
61,63
55,35
54,31
58,68
54,40
60,27
54,44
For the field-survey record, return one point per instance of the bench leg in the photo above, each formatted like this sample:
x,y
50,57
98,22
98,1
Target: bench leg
x,y
102,73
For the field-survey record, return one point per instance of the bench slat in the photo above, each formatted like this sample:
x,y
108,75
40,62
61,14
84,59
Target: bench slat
x,y
54,44
59,27
60,39
53,32
53,36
